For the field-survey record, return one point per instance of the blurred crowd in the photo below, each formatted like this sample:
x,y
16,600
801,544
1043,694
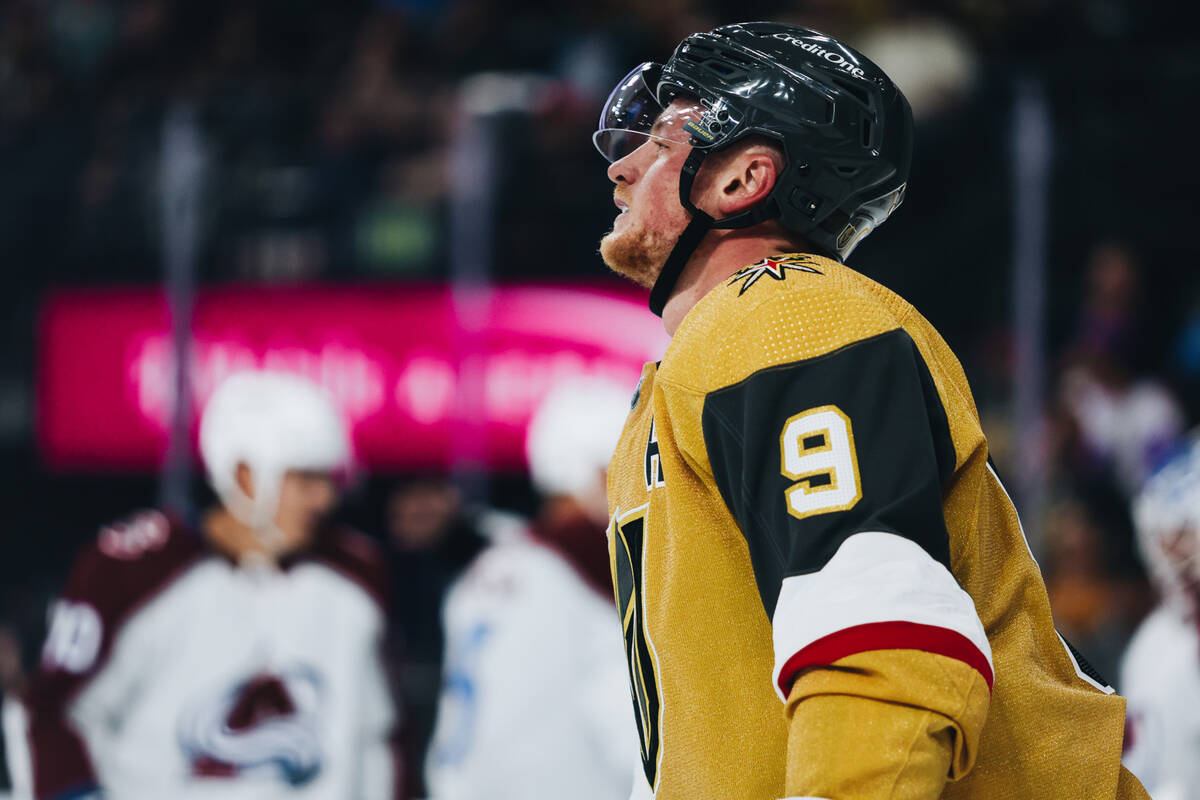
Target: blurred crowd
x,y
325,134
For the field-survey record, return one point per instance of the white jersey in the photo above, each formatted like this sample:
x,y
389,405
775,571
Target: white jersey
x,y
535,699
14,758
1160,678
171,672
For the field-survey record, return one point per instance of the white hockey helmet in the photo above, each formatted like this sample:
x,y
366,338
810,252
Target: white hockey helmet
x,y
573,433
272,422
1166,514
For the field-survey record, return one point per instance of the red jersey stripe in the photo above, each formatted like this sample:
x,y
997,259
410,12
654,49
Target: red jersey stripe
x,y
896,635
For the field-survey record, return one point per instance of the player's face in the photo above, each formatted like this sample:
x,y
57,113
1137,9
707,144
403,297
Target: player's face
x,y
647,193
305,498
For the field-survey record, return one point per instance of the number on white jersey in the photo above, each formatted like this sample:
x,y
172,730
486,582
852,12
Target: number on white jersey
x,y
76,633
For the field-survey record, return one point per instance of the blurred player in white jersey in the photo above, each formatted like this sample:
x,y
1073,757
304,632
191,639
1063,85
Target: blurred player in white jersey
x,y
239,660
535,699
1160,672
13,782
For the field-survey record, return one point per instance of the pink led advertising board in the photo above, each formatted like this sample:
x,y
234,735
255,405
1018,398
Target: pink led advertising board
x,y
426,376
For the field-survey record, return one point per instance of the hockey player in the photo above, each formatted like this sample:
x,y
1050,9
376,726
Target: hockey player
x,y
1160,672
825,589
534,703
239,661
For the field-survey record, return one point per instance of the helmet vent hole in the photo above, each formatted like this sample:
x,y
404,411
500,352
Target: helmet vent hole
x,y
724,70
866,132
847,170
856,92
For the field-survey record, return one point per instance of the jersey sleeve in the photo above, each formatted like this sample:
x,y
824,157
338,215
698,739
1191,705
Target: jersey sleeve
x,y
111,577
834,469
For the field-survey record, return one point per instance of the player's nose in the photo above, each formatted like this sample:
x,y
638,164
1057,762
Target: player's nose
x,y
623,170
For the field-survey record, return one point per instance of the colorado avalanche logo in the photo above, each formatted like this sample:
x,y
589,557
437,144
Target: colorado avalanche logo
x,y
775,268
267,725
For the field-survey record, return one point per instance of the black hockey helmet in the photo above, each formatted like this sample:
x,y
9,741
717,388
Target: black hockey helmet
x,y
844,127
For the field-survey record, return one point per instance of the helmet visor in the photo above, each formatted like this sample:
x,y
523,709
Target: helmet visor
x,y
632,116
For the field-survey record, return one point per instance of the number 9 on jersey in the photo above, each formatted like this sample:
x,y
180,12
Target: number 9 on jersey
x,y
817,453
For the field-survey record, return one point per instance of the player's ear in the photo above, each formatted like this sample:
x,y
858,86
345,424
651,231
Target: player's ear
x,y
746,179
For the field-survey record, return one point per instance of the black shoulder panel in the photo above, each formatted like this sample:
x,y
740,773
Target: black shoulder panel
x,y
773,437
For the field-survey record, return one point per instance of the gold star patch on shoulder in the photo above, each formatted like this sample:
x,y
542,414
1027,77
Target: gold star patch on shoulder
x,y
772,267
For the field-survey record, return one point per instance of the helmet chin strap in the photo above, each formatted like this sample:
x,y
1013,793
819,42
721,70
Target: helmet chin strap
x,y
700,224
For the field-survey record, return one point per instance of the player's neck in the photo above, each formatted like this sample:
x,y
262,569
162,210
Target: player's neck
x,y
719,255
238,542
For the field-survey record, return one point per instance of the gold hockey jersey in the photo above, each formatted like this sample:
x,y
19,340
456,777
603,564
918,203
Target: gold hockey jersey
x,y
824,588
